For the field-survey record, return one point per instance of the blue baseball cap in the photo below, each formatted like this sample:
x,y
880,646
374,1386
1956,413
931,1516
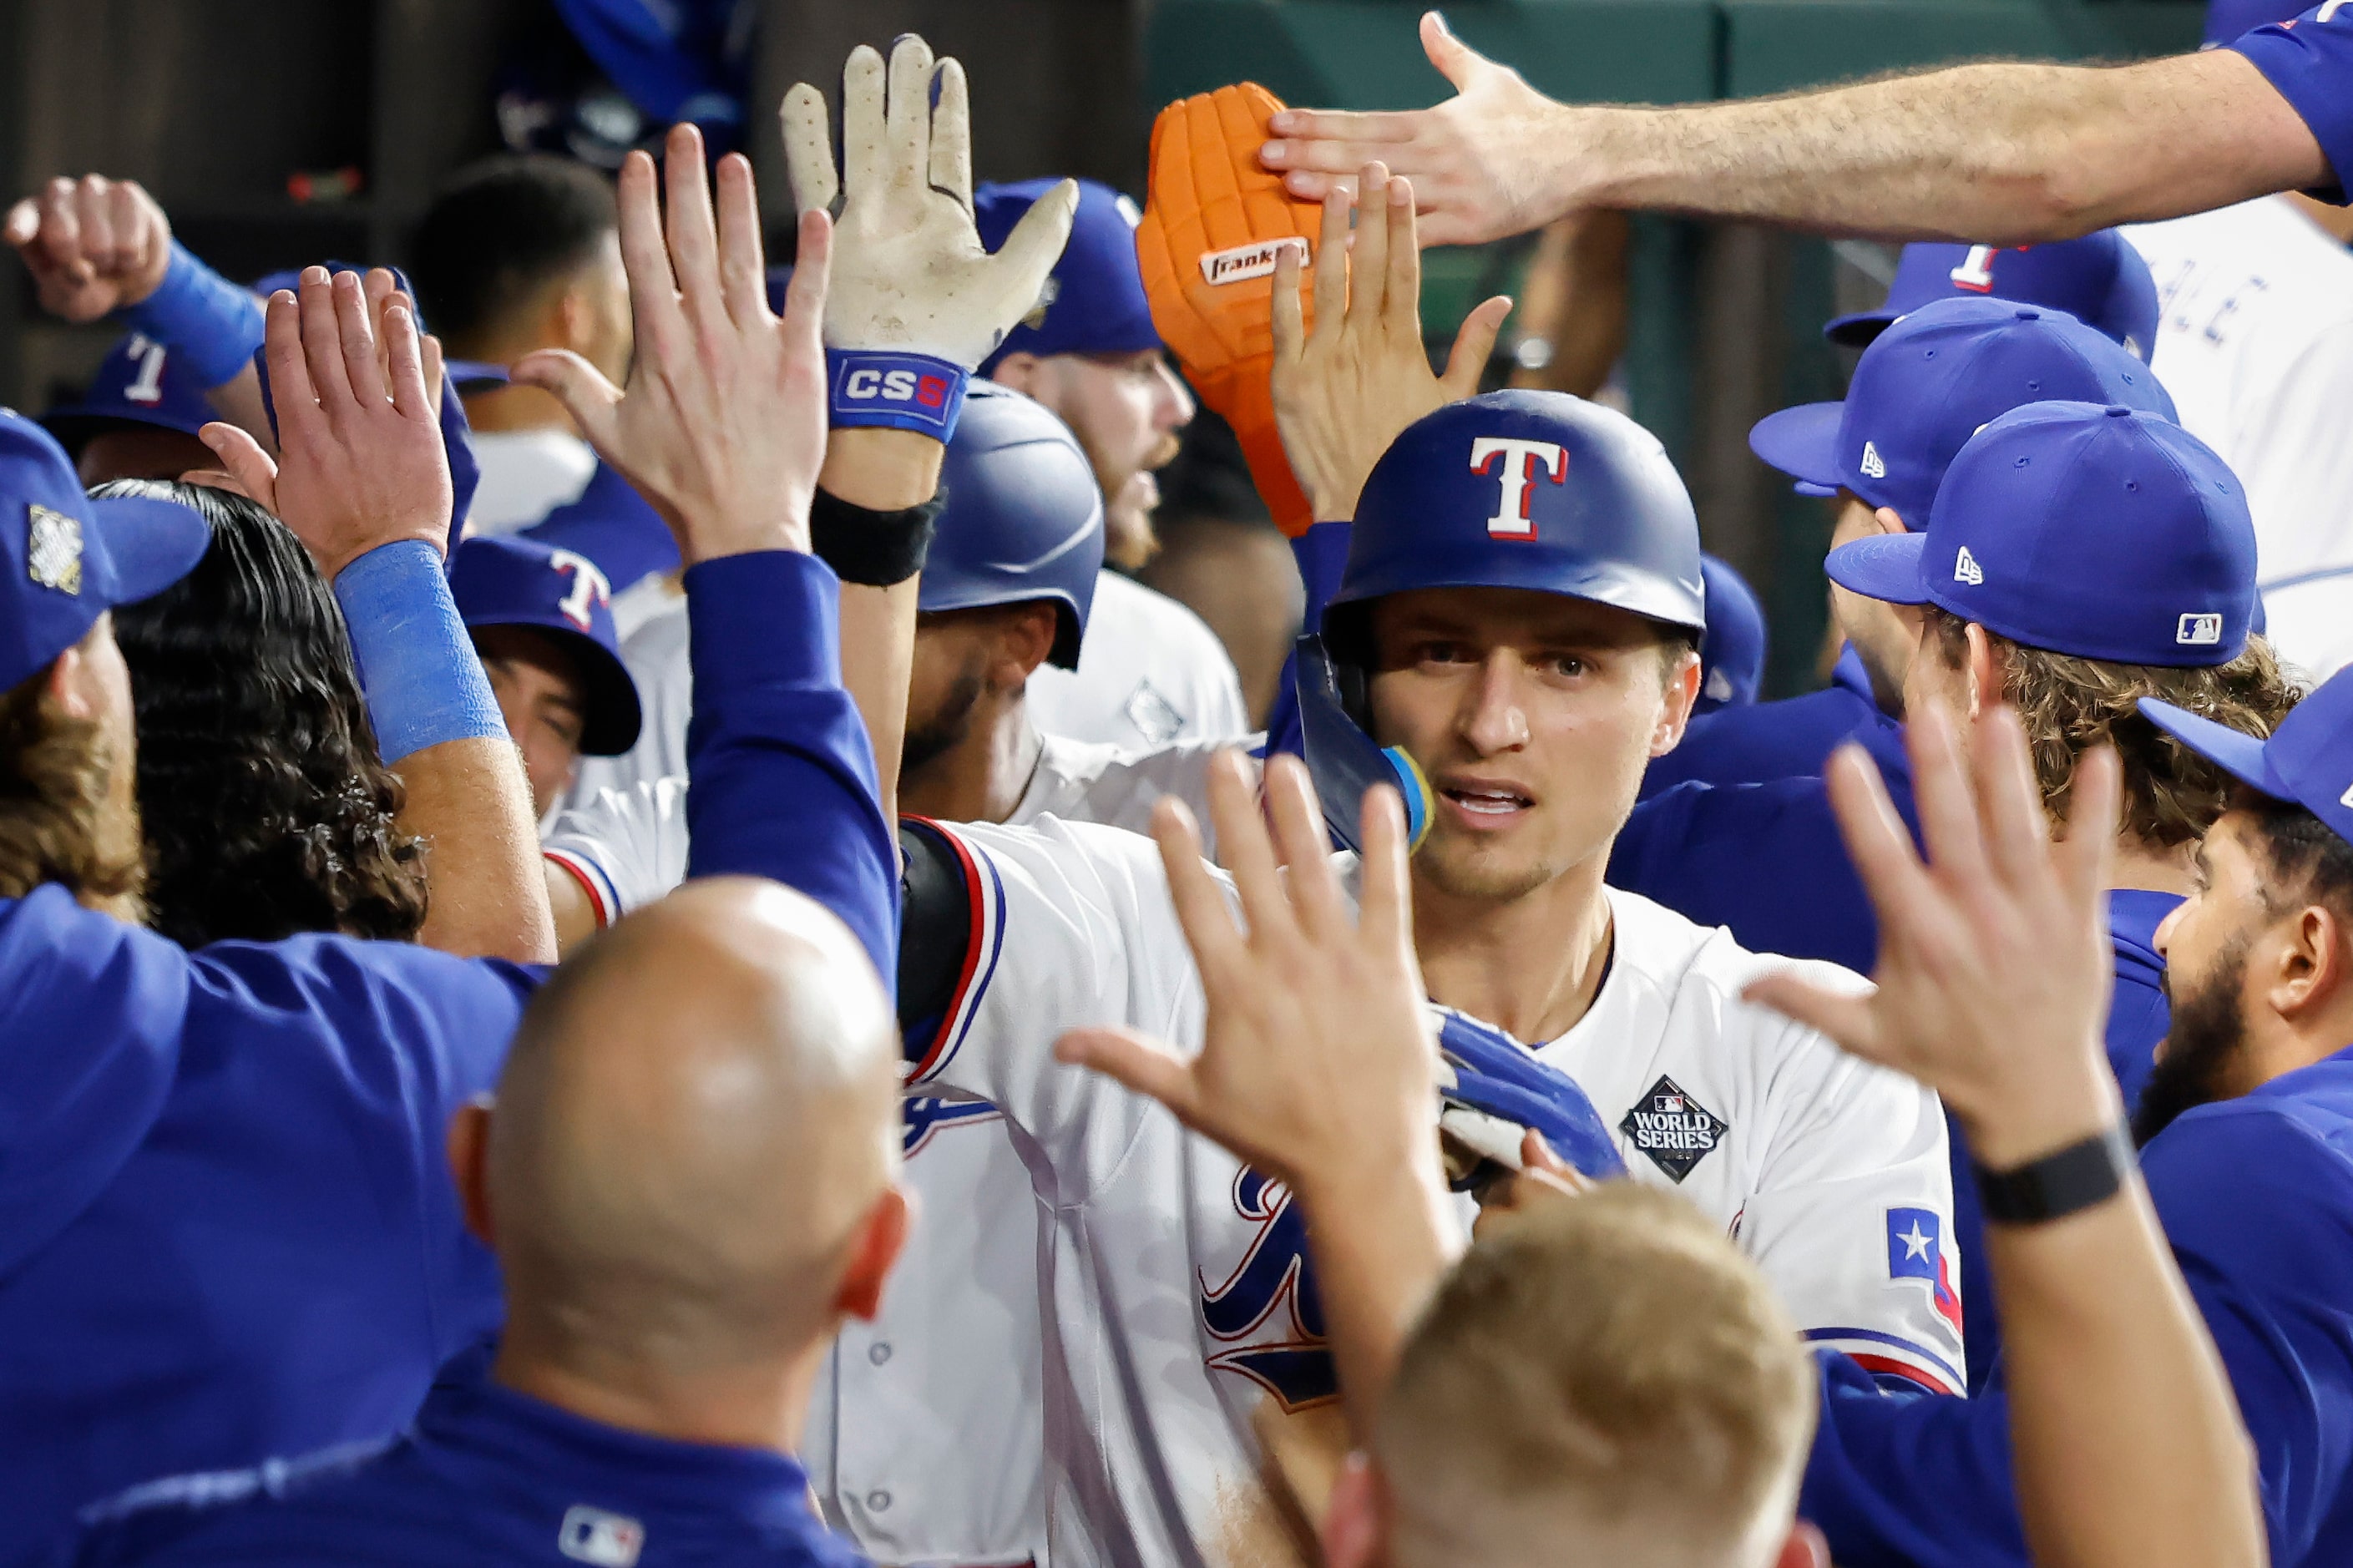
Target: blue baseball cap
x,y
504,581
66,559
140,382
2100,279
1732,647
2308,760
1093,300
1930,381
2227,21
2106,533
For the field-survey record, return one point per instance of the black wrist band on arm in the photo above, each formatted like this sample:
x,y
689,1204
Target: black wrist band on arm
x,y
876,548
2058,1184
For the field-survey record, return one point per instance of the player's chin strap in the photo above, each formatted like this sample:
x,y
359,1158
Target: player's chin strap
x,y
1344,759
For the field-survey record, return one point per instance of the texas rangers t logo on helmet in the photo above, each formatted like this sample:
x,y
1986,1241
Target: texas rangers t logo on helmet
x,y
1519,471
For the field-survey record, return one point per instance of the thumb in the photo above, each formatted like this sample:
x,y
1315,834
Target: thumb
x,y
1473,343
580,386
1035,243
245,461
1135,1061
1455,60
24,223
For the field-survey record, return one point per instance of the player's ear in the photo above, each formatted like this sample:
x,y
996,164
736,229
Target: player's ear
x,y
1804,1549
1028,637
1354,1526
1680,676
877,1248
1019,371
1985,671
469,1160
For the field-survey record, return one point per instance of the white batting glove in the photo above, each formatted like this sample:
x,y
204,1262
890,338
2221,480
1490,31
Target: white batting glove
x,y
912,282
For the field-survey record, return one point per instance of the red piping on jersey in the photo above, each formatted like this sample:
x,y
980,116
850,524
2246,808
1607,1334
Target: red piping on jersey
x,y
1902,1369
975,943
606,914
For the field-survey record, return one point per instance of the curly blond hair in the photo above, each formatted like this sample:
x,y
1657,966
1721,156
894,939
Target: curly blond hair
x,y
2069,705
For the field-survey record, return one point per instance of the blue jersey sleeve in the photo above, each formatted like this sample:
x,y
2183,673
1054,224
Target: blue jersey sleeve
x,y
784,778
2309,59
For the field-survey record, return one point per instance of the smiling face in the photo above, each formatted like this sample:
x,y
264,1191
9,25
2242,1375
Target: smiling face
x,y
1534,716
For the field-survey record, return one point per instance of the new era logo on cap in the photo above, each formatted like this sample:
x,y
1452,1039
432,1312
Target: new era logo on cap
x,y
53,550
1966,568
1873,465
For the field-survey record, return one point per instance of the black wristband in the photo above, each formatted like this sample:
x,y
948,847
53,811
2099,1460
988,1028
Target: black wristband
x,y
2058,1184
876,548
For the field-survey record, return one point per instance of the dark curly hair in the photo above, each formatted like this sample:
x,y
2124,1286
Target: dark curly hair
x,y
268,811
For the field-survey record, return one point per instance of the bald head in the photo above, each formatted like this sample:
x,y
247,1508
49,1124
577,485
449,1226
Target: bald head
x,y
699,1114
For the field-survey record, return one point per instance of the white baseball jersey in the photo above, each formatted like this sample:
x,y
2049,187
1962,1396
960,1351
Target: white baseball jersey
x,y
655,650
925,1440
1151,674
1181,1324
527,474
2254,341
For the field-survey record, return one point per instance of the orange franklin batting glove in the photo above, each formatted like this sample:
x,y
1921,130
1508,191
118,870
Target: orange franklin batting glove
x,y
1213,224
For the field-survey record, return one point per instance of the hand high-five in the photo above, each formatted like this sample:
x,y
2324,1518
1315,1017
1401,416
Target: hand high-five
x,y
360,460
722,424
1994,966
94,245
1343,391
1472,159
913,274
1317,1065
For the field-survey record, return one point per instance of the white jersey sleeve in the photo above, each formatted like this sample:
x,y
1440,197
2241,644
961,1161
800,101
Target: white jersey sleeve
x,y
657,657
1070,924
626,847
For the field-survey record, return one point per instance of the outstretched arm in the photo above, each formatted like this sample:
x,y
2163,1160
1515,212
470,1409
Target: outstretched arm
x,y
2008,154
1991,984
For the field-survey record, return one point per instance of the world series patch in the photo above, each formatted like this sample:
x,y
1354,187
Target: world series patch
x,y
1674,1130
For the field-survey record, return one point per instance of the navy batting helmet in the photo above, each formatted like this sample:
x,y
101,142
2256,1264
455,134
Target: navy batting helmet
x,y
1024,517
1512,489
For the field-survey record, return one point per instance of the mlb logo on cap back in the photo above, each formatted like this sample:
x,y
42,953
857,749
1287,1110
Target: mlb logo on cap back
x,y
2200,630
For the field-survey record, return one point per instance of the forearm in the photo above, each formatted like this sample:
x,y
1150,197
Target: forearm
x,y
238,401
1380,1247
883,470
1989,153
439,728
2127,1441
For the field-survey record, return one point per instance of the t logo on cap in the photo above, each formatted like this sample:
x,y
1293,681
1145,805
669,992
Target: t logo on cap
x,y
1511,520
589,587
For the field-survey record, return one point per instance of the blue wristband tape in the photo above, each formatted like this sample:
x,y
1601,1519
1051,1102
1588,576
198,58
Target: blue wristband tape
x,y
215,326
897,391
417,667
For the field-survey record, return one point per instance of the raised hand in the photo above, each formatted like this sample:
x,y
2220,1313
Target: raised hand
x,y
360,460
94,245
1475,161
1343,391
722,426
1317,1065
913,274
1994,965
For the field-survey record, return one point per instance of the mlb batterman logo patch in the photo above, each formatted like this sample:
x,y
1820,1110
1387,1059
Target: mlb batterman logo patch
x,y
593,1535
2199,630
53,549
1674,1130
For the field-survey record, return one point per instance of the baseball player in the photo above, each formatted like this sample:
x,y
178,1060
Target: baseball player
x,y
542,620
139,420
2244,1133
2097,279
2257,334
1154,674
950,1369
1919,390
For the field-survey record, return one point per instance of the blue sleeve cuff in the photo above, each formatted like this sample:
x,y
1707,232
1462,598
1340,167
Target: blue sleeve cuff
x,y
215,326
2309,61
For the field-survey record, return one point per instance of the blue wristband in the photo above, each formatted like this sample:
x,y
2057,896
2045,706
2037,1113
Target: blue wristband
x,y
215,326
896,391
417,667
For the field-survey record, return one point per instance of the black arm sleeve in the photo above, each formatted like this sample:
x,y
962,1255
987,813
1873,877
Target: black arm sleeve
x,y
935,933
